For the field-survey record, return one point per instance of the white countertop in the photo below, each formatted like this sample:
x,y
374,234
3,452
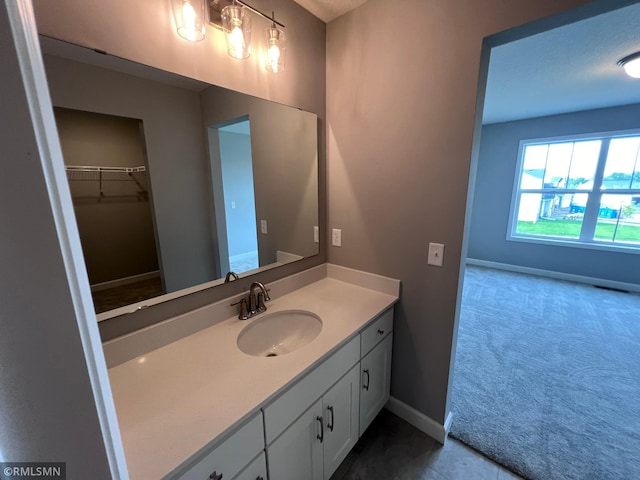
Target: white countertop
x,y
175,401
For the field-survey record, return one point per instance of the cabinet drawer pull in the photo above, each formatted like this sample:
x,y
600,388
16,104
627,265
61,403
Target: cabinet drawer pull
x,y
366,385
320,436
215,476
380,332
330,425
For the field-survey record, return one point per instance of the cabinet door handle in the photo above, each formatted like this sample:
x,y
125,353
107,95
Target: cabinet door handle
x,y
366,385
215,476
380,332
320,436
259,477
330,425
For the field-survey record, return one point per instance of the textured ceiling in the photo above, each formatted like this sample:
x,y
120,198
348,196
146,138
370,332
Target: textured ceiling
x,y
327,10
567,69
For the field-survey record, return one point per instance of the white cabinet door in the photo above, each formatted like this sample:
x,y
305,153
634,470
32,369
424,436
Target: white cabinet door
x,y
341,419
375,381
297,453
232,455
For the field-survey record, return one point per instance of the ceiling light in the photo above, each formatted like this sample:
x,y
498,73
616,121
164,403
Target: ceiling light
x,y
631,65
189,18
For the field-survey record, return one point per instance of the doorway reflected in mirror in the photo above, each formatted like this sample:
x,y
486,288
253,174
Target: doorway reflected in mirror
x,y
106,166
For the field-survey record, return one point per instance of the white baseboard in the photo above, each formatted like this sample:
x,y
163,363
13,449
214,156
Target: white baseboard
x,y
629,287
419,420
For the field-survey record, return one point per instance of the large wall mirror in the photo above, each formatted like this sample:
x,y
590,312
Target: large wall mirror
x,y
176,182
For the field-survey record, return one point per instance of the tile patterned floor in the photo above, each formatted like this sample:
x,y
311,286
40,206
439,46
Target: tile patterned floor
x,y
391,449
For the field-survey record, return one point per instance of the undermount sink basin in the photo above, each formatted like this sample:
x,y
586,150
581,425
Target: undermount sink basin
x,y
279,333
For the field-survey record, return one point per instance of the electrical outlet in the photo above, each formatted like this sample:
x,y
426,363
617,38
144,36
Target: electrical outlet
x,y
336,237
233,204
263,226
316,234
436,254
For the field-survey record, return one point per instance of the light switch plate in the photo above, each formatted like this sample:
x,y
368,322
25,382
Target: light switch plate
x,y
316,234
436,254
336,237
263,226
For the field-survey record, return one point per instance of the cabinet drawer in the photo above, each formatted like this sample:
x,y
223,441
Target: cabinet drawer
x,y
292,403
232,455
257,470
379,329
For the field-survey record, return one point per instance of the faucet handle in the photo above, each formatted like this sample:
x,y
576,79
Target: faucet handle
x,y
244,313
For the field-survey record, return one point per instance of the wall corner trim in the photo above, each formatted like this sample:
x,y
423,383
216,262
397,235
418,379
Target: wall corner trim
x,y
419,420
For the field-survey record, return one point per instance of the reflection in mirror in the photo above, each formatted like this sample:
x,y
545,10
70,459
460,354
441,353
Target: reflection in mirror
x,y
176,182
239,200
106,168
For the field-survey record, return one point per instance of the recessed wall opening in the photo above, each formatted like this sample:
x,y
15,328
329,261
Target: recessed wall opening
x,y
106,164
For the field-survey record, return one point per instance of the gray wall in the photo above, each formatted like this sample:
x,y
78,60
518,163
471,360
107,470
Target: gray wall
x,y
115,222
400,121
50,406
175,146
497,165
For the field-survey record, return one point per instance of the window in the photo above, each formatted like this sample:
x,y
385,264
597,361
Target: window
x,y
584,190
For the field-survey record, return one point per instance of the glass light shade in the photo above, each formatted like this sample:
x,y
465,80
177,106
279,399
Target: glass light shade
x,y
632,67
236,24
276,48
189,18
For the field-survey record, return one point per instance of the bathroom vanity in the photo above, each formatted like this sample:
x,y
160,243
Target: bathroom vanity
x,y
200,408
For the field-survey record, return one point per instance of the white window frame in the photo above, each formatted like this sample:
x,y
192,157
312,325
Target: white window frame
x,y
594,195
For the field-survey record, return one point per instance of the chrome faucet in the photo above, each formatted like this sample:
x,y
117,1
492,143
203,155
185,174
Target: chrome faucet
x,y
254,303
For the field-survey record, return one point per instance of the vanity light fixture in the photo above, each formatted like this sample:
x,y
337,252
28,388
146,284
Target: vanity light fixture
x,y
232,17
236,24
189,18
631,64
276,47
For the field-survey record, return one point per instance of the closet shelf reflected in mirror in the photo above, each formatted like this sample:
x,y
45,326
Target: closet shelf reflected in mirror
x,y
101,174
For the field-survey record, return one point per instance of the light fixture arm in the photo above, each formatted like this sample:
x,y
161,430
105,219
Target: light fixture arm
x,y
631,64
628,58
233,18
258,12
